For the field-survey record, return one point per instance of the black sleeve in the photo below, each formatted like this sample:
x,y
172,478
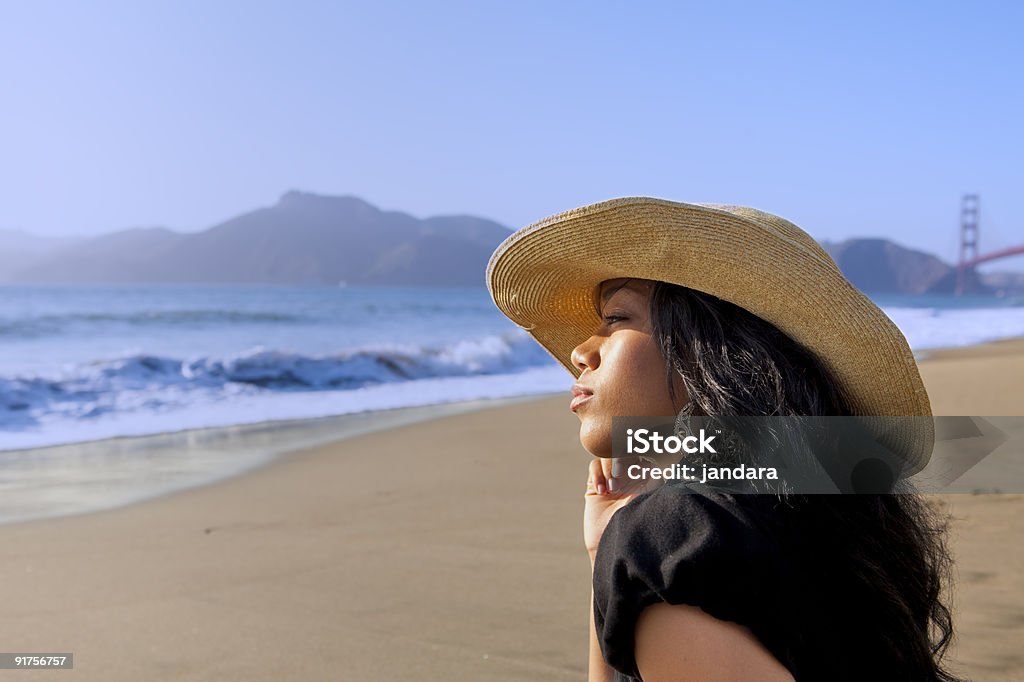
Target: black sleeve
x,y
680,546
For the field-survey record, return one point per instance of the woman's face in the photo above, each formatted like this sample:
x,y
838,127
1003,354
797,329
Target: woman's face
x,y
623,370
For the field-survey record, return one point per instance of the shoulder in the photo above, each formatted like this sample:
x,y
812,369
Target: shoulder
x,y
694,522
682,642
681,546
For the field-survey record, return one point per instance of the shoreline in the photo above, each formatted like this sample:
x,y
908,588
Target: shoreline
x,y
950,351
77,478
1000,346
80,476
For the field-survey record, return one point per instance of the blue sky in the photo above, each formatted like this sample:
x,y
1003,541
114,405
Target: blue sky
x,y
847,118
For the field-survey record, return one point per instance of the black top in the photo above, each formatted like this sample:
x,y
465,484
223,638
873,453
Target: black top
x,y
782,569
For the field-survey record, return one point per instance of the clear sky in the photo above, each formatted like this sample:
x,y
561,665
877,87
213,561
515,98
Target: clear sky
x,y
851,119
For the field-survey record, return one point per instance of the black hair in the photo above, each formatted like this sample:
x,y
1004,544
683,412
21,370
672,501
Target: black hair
x,y
734,363
888,551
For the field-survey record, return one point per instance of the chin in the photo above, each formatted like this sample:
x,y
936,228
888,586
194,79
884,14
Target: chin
x,y
597,441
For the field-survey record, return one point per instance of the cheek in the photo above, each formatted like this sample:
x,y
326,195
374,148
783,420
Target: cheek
x,y
648,388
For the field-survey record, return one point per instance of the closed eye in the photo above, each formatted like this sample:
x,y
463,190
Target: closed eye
x,y
612,319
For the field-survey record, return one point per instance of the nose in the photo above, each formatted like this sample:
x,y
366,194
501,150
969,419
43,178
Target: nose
x,y
586,355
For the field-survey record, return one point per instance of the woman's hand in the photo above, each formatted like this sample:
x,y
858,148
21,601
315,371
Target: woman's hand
x,y
609,488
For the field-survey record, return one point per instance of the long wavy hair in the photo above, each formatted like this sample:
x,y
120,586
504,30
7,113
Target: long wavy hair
x,y
882,556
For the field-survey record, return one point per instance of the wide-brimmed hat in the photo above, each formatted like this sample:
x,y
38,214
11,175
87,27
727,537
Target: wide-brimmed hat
x,y
543,277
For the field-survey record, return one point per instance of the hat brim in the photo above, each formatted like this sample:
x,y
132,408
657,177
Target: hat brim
x,y
544,276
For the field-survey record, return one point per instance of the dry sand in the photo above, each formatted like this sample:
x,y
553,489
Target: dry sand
x,y
445,550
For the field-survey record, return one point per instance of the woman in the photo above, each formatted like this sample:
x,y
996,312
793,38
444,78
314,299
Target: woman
x,y
669,310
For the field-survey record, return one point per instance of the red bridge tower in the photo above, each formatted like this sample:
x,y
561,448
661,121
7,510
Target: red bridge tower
x,y
969,209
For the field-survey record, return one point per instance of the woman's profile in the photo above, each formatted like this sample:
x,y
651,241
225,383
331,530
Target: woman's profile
x,y
669,310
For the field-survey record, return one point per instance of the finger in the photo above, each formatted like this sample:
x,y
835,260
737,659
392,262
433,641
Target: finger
x,y
597,481
607,468
620,480
615,470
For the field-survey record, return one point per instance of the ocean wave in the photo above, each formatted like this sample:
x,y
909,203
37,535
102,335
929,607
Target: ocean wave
x,y
148,383
149,392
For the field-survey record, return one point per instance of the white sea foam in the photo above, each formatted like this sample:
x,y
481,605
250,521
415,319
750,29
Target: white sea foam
x,y
200,409
929,328
144,394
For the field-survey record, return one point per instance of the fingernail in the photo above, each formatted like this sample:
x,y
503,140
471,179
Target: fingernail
x,y
611,485
600,488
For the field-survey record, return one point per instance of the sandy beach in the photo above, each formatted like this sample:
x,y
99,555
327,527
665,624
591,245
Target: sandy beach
x,y
447,549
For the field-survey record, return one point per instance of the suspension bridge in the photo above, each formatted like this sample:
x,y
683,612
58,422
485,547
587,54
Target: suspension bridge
x,y
966,277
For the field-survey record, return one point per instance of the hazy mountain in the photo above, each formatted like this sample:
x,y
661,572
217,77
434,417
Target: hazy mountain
x,y
304,238
20,249
314,239
882,266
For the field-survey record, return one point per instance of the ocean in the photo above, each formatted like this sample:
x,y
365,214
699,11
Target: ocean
x,y
81,363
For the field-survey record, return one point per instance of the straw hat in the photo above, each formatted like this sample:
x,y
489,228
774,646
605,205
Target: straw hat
x,y
543,277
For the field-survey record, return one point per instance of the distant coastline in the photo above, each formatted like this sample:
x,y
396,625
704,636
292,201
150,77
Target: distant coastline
x,y
312,239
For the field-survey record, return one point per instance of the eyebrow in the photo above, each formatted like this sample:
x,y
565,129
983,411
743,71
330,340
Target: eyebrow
x,y
608,293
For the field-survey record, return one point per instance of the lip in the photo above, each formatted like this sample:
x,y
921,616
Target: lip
x,y
580,395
